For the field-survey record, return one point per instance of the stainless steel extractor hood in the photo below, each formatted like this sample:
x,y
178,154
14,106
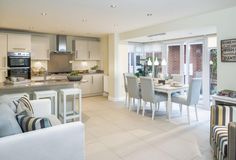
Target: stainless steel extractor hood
x,y
61,42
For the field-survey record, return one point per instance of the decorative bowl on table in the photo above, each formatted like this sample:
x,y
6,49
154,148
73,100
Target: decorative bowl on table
x,y
74,76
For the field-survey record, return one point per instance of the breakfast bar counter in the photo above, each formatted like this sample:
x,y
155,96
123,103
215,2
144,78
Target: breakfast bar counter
x,y
32,86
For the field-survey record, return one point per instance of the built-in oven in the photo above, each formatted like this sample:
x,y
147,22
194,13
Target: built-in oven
x,y
24,72
19,64
18,59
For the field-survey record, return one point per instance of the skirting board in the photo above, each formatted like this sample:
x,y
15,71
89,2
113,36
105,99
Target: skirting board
x,y
116,99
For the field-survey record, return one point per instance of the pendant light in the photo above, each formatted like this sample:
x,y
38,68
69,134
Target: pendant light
x,y
163,62
156,62
149,63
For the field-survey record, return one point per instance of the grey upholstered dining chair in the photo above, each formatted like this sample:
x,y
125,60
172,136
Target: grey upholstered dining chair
x,y
191,98
133,91
149,95
125,86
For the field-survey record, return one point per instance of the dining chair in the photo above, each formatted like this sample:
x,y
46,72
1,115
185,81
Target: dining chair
x,y
191,98
133,91
149,95
125,86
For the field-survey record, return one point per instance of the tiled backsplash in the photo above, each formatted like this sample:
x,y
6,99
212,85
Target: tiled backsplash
x,y
84,65
76,65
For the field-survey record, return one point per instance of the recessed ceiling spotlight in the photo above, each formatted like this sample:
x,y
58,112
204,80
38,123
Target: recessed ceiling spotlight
x,y
149,14
31,27
84,20
113,6
43,13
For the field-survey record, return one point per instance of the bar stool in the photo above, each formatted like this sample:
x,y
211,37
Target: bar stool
x,y
51,94
67,115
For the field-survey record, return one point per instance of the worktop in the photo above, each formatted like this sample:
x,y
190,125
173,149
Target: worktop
x,y
36,84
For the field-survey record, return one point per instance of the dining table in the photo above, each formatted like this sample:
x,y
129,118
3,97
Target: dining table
x,y
169,90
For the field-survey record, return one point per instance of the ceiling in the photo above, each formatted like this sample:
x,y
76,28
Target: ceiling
x,y
97,17
180,34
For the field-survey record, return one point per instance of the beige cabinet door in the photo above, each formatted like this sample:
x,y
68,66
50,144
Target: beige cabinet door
x,y
86,86
3,51
81,50
40,48
3,75
19,42
94,50
97,83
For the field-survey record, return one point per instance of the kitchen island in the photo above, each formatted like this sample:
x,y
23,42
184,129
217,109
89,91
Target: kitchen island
x,y
32,86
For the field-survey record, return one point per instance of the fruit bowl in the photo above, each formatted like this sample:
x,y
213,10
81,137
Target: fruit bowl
x,y
74,77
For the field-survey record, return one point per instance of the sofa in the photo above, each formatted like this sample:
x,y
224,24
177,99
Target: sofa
x,y
59,142
223,132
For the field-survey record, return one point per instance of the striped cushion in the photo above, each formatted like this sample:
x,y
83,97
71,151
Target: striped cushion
x,y
23,104
220,138
28,123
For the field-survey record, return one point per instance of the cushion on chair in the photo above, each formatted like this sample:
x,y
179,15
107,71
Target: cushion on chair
x,y
28,123
8,123
179,98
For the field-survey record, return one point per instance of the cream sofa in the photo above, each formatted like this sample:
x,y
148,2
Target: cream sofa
x,y
61,142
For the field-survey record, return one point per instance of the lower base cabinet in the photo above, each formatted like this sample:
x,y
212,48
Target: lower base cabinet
x,y
93,86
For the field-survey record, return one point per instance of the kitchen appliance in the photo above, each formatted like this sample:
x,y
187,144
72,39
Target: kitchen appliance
x,y
61,42
19,64
60,63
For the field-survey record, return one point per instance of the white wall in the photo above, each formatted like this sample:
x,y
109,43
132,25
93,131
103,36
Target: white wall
x,y
223,20
118,64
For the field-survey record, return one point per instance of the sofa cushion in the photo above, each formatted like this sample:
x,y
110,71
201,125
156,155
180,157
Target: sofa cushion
x,y
8,123
24,105
29,123
53,120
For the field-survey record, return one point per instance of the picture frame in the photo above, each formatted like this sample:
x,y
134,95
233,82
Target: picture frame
x,y
228,50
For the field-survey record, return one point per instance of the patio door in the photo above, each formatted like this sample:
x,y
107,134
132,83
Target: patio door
x,y
196,65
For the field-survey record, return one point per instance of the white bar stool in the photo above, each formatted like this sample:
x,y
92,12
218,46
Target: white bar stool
x,y
51,94
67,115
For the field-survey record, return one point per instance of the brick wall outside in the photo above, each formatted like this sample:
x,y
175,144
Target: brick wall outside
x,y
174,60
196,57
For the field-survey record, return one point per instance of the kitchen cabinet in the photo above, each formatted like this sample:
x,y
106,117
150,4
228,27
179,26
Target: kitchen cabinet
x,y
93,86
87,50
3,51
40,48
3,75
19,42
94,50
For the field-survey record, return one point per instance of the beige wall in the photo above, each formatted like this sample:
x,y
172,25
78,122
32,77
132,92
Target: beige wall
x,y
104,52
223,20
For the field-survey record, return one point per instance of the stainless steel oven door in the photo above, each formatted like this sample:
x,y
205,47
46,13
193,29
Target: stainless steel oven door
x,y
24,72
18,59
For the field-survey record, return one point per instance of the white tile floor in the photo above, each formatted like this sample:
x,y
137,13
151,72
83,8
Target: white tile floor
x,y
114,133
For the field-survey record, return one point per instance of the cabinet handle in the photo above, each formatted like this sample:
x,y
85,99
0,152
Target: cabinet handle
x,y
76,54
48,54
19,49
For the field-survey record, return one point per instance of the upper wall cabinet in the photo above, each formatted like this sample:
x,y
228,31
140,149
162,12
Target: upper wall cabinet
x,y
40,48
19,42
3,51
87,50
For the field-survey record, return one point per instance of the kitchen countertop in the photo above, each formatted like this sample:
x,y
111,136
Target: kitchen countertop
x,y
33,84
